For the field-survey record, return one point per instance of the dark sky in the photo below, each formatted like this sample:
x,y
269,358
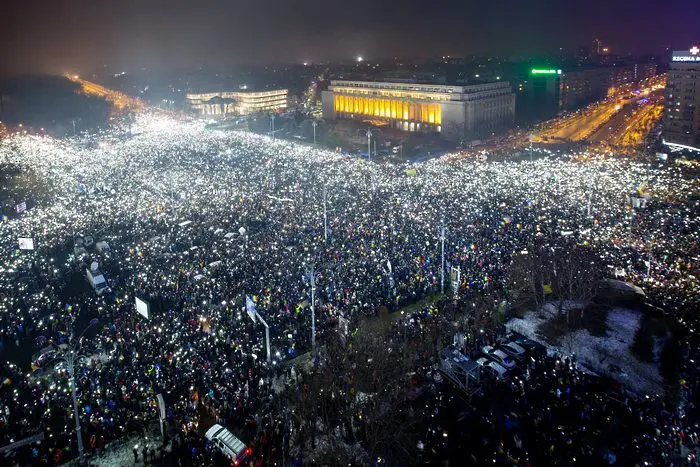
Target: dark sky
x,y
62,35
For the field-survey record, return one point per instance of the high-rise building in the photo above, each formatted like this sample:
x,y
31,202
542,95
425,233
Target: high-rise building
x,y
681,116
597,48
538,94
580,86
457,112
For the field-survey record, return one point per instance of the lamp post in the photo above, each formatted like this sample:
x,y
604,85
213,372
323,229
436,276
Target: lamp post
x,y
314,124
325,213
369,146
272,125
72,357
442,257
311,277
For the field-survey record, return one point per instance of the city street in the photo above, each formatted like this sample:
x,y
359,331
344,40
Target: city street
x,y
608,122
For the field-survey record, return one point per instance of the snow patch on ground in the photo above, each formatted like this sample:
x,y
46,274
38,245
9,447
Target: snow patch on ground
x,y
331,444
121,453
599,353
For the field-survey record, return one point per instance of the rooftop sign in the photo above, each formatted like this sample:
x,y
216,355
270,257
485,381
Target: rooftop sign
x,y
539,71
692,55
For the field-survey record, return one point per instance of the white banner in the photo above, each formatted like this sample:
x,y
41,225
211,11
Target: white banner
x,y
26,243
143,308
250,307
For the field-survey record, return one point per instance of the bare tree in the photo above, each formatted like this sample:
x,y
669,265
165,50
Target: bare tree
x,y
575,272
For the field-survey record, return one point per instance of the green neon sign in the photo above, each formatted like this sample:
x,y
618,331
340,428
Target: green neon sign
x,y
540,71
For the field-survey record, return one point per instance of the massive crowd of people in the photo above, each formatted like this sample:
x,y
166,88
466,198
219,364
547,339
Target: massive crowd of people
x,y
196,220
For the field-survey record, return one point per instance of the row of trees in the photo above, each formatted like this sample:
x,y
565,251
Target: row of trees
x,y
358,403
564,271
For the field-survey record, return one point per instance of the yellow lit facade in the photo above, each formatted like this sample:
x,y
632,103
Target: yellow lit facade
x,y
394,109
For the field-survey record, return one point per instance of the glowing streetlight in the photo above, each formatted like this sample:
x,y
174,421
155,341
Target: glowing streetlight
x,y
360,59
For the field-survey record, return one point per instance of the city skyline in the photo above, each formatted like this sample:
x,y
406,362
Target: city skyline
x,y
59,36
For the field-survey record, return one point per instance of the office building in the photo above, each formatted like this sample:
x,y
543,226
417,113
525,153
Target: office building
x,y
537,94
681,117
580,86
644,71
236,102
457,112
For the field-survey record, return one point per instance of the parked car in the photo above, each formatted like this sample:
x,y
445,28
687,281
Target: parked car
x,y
493,368
498,356
513,350
526,343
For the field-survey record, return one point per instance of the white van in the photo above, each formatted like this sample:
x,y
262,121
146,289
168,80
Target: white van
x,y
227,443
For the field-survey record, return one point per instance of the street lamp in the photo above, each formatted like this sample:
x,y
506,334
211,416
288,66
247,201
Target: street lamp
x,y
272,125
325,213
311,277
442,257
314,124
72,357
369,147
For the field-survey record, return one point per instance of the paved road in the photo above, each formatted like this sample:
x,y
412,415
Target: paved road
x,y
615,126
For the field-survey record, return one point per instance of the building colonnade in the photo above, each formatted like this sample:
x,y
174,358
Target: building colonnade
x,y
418,112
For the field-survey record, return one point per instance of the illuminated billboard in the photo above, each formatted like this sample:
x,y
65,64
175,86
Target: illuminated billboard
x,y
543,71
687,56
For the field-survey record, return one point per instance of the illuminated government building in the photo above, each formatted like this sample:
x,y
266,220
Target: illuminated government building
x,y
236,102
457,112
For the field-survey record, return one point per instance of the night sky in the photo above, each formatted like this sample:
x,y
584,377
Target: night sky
x,y
66,35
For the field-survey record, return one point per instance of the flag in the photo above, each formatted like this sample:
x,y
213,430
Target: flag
x,y
412,172
21,207
547,289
